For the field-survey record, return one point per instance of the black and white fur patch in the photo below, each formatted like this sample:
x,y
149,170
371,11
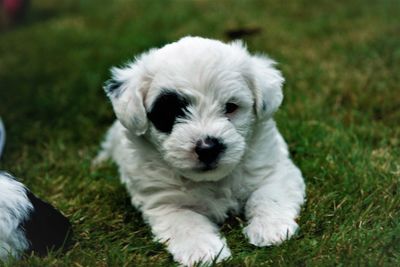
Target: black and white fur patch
x,y
27,223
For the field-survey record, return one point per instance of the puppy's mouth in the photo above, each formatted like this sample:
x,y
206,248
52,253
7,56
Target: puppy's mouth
x,y
206,172
207,167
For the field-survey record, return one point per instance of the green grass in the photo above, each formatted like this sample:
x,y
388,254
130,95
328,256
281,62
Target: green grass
x,y
341,118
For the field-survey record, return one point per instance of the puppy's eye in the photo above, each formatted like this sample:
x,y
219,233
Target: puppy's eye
x,y
167,107
230,108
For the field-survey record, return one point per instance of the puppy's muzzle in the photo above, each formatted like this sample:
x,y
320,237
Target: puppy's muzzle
x,y
208,151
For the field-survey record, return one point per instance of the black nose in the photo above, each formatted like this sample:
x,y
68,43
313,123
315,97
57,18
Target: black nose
x,y
209,149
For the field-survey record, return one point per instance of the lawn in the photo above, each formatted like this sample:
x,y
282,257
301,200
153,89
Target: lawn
x,y
341,118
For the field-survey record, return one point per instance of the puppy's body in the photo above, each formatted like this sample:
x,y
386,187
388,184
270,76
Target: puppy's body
x,y
14,209
196,141
27,223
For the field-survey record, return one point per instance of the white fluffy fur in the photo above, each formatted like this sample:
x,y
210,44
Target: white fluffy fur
x,y
254,175
14,209
2,137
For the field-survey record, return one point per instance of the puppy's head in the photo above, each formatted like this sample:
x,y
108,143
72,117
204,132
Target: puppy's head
x,y
197,101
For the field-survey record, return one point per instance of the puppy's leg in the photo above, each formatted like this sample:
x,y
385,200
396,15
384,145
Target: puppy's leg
x,y
271,209
107,146
189,236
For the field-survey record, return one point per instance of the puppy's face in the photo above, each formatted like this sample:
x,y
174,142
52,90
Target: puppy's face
x,y
197,101
200,129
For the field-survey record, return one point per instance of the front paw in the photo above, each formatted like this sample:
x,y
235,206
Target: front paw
x,y
204,249
269,232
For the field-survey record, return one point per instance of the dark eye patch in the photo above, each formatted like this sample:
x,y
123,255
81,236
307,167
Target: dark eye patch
x,y
167,107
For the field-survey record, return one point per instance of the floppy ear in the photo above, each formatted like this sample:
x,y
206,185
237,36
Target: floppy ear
x,y
266,82
126,91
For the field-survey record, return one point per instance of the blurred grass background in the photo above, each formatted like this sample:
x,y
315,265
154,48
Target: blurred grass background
x,y
341,117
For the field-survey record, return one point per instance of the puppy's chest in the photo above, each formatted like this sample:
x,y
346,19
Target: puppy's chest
x,y
212,200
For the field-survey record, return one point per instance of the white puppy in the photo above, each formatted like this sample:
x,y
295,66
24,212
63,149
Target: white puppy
x,y
195,141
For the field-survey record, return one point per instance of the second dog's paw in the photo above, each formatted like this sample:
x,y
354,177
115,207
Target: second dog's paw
x,y
268,232
204,250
